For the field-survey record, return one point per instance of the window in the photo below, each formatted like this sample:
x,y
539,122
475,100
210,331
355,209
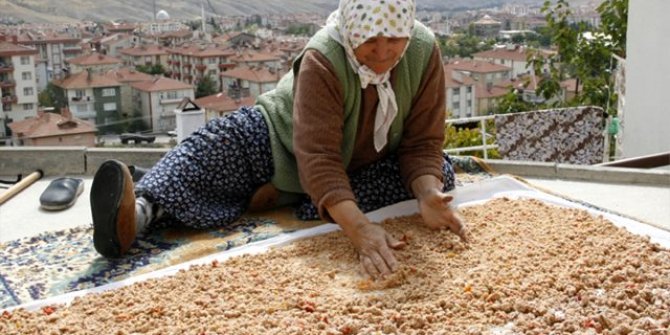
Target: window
x,y
27,107
79,93
25,60
213,61
212,73
469,89
109,106
26,76
28,91
456,105
108,92
455,91
172,95
469,103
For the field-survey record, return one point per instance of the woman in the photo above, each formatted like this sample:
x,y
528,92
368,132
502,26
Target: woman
x,y
356,125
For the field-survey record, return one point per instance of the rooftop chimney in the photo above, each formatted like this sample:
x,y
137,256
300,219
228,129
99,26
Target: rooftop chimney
x,y
66,114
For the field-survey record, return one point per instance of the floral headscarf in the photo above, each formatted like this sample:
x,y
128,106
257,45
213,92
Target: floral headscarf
x,y
355,22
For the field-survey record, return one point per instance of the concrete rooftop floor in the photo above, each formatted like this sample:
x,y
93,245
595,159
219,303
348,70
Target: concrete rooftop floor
x,y
21,216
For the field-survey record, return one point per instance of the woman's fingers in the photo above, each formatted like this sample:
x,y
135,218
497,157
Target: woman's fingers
x,y
380,264
393,243
369,266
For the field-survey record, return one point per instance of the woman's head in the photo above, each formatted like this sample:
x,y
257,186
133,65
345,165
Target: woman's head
x,y
376,31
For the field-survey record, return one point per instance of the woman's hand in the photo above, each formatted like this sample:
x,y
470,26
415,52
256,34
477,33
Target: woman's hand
x,y
373,244
438,213
435,206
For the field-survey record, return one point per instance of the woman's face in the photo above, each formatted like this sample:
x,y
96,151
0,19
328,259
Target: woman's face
x,y
380,54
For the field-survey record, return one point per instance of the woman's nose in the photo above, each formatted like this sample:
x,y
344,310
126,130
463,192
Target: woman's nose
x,y
381,48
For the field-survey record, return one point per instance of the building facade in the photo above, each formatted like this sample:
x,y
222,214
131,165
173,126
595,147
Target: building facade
x,y
18,87
155,101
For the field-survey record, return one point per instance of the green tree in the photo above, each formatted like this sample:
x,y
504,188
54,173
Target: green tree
x,y
586,59
465,137
154,69
52,96
206,86
463,45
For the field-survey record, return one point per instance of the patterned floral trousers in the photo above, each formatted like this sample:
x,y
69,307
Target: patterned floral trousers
x,y
208,180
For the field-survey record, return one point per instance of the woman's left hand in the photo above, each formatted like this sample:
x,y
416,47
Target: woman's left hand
x,y
438,213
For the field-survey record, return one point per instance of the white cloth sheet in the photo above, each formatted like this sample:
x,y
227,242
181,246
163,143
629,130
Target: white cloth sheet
x,y
469,195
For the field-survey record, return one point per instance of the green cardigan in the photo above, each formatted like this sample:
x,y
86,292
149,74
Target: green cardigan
x,y
277,105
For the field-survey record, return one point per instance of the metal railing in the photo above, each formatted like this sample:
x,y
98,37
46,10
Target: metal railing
x,y
482,129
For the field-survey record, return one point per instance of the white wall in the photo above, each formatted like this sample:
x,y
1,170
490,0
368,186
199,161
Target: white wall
x,y
646,120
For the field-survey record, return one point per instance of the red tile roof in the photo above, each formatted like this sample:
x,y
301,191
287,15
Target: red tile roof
x,y
476,66
517,54
483,91
94,59
456,80
145,50
11,49
256,75
202,51
128,75
221,102
160,83
83,80
51,124
255,57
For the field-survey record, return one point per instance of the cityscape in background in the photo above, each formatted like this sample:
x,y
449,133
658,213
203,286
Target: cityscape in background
x,y
82,82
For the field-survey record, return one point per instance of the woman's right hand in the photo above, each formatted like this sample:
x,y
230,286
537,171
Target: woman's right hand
x,y
373,244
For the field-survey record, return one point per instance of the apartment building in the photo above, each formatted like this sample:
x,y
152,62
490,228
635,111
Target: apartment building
x,y
18,88
155,101
512,56
145,54
54,49
481,71
126,77
244,81
257,59
461,97
96,62
95,98
191,63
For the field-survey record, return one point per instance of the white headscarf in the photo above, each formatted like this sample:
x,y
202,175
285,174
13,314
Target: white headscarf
x,y
355,22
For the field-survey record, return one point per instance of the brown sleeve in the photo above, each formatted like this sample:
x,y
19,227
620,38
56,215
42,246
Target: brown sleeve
x,y
318,120
420,150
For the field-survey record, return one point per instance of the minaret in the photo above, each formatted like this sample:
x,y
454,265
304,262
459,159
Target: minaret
x,y
202,10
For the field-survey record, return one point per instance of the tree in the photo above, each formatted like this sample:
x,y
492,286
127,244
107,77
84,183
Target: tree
x,y
52,96
206,86
155,69
586,59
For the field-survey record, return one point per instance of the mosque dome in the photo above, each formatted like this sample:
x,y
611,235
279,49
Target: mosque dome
x,y
162,15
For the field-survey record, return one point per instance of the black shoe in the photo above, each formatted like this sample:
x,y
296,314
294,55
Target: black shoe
x,y
113,209
61,193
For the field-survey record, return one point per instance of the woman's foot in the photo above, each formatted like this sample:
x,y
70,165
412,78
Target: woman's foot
x,y
113,209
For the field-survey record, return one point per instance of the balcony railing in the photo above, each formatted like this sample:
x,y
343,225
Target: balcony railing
x,y
188,65
485,146
82,100
10,99
227,66
201,67
7,84
6,67
176,63
167,101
